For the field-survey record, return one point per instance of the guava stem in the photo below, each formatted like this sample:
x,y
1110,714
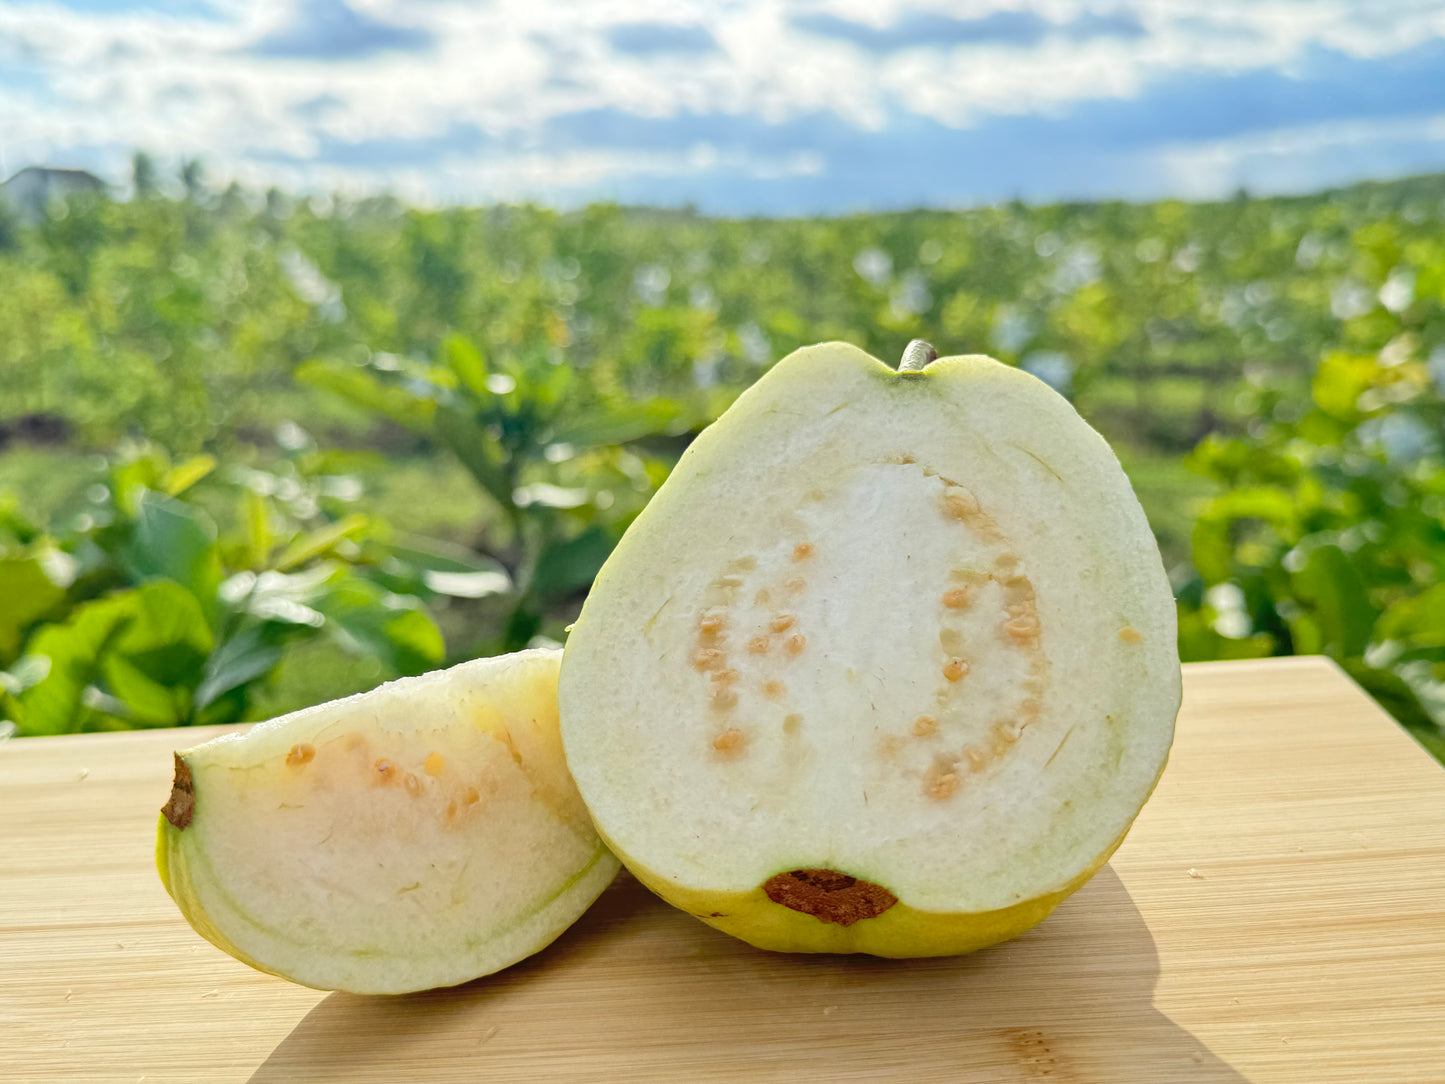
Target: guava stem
x,y
916,355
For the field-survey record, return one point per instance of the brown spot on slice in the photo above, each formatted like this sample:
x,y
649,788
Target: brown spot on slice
x,y
412,784
1131,635
954,669
181,806
925,726
942,786
1022,630
781,623
709,658
1002,735
724,677
773,689
301,753
829,896
470,796
977,758
794,584
729,741
433,764
385,770
723,697
791,723
758,645
763,596
795,645
802,551
969,576
889,746
959,504
956,599
711,624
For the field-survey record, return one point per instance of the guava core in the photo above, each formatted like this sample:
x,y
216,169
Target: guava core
x,y
419,835
887,665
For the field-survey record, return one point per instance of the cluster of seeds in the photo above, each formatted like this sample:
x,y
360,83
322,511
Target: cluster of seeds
x,y
387,772
775,636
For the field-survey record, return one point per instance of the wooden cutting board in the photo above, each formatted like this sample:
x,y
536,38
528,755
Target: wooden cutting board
x,y
1277,914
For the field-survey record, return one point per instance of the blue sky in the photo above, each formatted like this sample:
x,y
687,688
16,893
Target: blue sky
x,y
737,106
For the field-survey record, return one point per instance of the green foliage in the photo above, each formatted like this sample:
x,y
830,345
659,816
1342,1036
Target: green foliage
x,y
142,612
1289,352
1330,535
515,426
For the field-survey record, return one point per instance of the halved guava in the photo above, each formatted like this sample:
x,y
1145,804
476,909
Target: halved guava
x,y
419,835
888,664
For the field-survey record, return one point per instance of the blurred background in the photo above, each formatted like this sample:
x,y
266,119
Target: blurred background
x,y
341,339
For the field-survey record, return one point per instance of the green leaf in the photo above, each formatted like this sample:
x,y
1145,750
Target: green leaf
x,y
257,519
1346,618
320,541
466,361
154,663
1215,532
365,390
1418,621
619,423
1340,380
175,541
571,566
180,478
250,655
26,594
468,441
75,651
370,621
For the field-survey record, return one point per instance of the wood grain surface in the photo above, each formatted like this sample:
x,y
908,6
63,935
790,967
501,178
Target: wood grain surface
x,y
1277,914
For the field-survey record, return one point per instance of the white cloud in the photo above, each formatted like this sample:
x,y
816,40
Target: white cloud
x,y
487,91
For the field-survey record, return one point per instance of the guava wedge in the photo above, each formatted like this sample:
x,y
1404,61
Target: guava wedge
x,y
888,664
419,835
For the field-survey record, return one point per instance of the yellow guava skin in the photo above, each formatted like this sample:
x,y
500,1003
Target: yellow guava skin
x,y
899,933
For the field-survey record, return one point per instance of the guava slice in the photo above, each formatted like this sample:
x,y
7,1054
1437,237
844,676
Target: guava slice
x,y
418,835
888,664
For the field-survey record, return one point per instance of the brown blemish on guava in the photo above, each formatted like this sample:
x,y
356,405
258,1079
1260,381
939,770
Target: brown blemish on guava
x,y
1130,635
182,804
802,551
956,599
959,504
729,741
829,896
773,689
925,726
301,753
758,645
709,659
781,623
795,645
